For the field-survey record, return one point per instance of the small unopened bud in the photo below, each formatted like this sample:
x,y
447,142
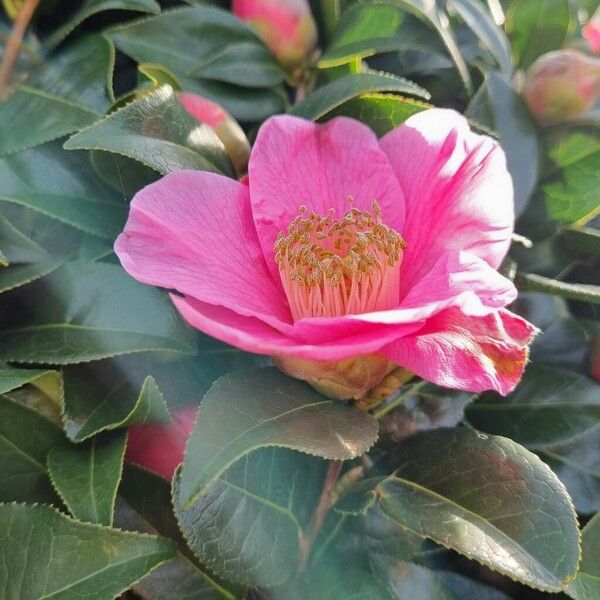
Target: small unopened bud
x,y
286,26
160,447
225,126
562,85
349,378
591,32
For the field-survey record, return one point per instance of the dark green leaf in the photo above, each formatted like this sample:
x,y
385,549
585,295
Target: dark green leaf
x,y
536,27
381,112
429,12
330,96
203,43
497,105
18,275
550,406
480,21
251,409
26,437
62,185
87,476
12,378
92,7
369,29
46,555
60,96
571,188
577,465
487,498
96,401
248,525
587,584
158,132
17,247
121,173
83,317
147,507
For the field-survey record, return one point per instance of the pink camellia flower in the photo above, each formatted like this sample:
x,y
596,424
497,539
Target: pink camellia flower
x,y
562,85
225,126
286,26
591,32
160,448
344,255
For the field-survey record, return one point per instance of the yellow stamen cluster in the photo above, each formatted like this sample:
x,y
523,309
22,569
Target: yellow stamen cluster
x,y
332,266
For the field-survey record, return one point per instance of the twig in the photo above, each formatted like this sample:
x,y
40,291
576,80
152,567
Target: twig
x,y
331,477
13,44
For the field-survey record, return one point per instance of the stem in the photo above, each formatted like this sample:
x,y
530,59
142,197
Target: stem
x,y
323,506
529,282
13,44
384,410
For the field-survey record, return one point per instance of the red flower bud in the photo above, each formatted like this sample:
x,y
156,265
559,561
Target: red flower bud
x,y
160,447
595,357
286,26
225,126
562,85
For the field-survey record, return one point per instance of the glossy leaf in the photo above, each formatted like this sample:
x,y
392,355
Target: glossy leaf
x,y
487,498
68,559
332,95
492,37
577,465
200,42
12,378
571,191
92,7
158,132
147,507
83,318
63,186
536,27
550,406
381,112
247,526
60,96
248,410
369,29
498,106
96,402
19,275
587,583
87,476
26,437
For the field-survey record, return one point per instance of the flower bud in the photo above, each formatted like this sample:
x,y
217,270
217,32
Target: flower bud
x,y
591,32
160,447
225,126
286,26
340,379
562,85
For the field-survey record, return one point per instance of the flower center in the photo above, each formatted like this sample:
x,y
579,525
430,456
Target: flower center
x,y
333,267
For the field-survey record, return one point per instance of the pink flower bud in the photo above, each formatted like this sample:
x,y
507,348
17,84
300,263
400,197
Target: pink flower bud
x,y
160,447
591,32
225,126
286,26
562,85
340,379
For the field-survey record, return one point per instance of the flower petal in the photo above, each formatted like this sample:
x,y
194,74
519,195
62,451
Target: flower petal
x,y
458,192
254,335
467,353
295,162
193,231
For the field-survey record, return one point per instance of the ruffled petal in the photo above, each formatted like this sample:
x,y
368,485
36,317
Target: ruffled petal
x,y
192,231
339,340
458,192
467,353
295,162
